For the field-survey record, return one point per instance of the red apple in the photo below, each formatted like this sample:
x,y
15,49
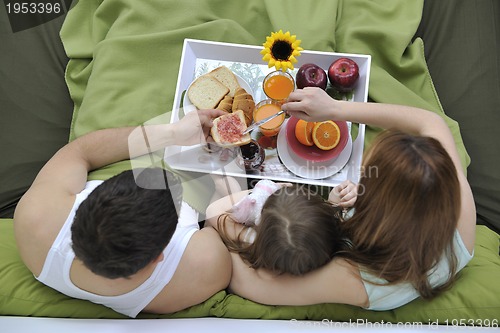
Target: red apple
x,y
311,75
343,74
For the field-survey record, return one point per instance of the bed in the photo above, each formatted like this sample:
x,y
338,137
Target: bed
x,y
110,63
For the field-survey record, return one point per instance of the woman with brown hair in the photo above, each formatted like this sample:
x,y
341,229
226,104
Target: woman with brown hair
x,y
412,229
292,230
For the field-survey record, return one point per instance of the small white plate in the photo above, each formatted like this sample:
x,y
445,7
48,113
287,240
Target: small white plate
x,y
308,169
188,106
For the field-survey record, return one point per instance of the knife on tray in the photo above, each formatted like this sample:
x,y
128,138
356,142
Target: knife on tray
x,y
260,122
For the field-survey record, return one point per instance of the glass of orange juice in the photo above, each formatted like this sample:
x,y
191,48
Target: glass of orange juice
x,y
267,108
278,85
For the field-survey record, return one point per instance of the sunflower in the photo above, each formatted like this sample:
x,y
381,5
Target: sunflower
x,y
281,49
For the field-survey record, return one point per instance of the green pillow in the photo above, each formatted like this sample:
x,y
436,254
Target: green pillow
x,y
476,295
461,47
35,106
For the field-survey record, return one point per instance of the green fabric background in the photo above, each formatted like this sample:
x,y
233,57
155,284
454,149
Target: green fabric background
x,y
465,65
35,106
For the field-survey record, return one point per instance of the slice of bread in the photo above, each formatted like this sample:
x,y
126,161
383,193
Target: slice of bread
x,y
206,92
227,78
227,130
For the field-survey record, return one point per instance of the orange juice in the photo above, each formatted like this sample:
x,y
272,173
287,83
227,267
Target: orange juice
x,y
266,109
278,85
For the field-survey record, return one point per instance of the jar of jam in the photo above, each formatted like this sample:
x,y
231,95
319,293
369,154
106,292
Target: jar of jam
x,y
252,156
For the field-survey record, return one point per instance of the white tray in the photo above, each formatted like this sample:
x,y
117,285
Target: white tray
x,y
199,57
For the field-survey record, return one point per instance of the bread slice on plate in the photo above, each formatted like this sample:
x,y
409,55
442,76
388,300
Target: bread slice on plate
x,y
206,92
227,78
227,130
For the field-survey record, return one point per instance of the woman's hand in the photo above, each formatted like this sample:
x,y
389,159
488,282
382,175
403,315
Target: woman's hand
x,y
344,194
311,104
194,127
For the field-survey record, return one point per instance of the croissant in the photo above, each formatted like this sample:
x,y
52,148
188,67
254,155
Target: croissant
x,y
226,104
244,101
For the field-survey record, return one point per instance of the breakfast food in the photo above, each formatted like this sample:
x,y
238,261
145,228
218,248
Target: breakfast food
x,y
326,135
343,74
225,76
278,85
206,92
226,104
303,132
267,108
218,89
244,101
227,130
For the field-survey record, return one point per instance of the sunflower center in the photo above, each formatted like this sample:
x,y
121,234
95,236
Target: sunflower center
x,y
281,50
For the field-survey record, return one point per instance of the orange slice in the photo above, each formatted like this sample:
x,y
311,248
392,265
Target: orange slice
x,y
303,132
326,135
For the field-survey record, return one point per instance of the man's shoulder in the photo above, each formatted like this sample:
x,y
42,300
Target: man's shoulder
x,y
38,219
205,269
206,258
206,248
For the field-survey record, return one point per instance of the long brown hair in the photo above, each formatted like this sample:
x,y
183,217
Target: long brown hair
x,y
407,211
298,232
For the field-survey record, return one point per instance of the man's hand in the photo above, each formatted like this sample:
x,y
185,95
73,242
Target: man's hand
x,y
194,127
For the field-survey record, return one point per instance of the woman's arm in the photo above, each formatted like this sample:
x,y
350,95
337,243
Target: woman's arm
x,y
336,282
314,104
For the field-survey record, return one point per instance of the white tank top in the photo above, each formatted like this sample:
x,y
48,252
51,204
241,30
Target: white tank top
x,y
56,269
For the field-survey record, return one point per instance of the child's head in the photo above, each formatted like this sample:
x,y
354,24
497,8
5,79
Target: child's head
x,y
298,232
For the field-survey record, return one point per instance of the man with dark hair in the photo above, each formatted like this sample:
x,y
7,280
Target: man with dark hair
x,y
121,227
130,243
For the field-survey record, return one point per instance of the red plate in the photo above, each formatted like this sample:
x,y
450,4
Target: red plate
x,y
314,154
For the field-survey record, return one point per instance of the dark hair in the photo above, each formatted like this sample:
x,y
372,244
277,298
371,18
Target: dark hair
x,y
122,226
298,232
406,218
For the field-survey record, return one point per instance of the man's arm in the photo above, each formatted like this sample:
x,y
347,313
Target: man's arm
x,y
45,206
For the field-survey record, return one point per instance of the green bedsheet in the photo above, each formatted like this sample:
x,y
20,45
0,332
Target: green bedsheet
x,y
124,59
